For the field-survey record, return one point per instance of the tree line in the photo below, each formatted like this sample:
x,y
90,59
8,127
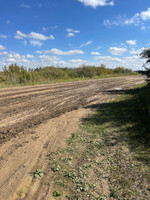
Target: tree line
x,y
14,74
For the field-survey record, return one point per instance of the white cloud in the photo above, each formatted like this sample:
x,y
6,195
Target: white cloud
x,y
76,62
135,20
54,27
117,51
25,5
131,42
132,62
51,37
51,60
122,21
70,30
46,58
36,43
11,60
33,35
62,63
70,35
40,52
2,47
25,61
122,44
50,27
110,58
145,15
60,52
39,36
29,56
133,51
138,19
44,28
35,38
96,3
86,43
55,51
95,53
3,36
19,35
143,28
136,52
14,57
119,21
3,53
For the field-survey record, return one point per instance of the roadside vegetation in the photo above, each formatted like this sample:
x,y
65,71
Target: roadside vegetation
x,y
14,75
109,157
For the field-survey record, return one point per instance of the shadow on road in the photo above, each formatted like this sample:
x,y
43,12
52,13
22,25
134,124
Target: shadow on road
x,y
130,115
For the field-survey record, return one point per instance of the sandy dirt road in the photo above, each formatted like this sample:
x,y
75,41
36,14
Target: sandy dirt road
x,y
35,120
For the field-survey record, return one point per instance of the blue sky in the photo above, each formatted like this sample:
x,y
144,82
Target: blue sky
x,y
69,33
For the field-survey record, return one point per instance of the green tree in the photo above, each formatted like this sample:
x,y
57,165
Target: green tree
x,y
25,76
102,70
146,54
119,70
12,73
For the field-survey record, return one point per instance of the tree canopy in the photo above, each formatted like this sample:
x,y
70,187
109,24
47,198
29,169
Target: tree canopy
x,y
146,54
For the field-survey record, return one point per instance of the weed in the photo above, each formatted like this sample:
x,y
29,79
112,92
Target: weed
x,y
20,193
57,193
60,182
38,173
56,168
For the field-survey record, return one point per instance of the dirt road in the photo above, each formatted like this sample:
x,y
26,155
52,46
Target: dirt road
x,y
23,108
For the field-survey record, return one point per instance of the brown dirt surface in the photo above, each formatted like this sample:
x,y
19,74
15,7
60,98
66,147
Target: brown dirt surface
x,y
24,107
35,120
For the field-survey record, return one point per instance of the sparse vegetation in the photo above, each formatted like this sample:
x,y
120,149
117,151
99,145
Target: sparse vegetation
x,y
109,157
38,173
57,193
19,194
19,75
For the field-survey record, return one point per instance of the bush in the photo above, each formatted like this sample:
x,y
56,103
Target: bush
x,y
14,74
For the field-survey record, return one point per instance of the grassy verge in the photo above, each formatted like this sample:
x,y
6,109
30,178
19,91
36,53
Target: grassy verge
x,y
109,158
5,84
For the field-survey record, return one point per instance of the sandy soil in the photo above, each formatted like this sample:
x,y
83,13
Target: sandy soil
x,y
36,120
